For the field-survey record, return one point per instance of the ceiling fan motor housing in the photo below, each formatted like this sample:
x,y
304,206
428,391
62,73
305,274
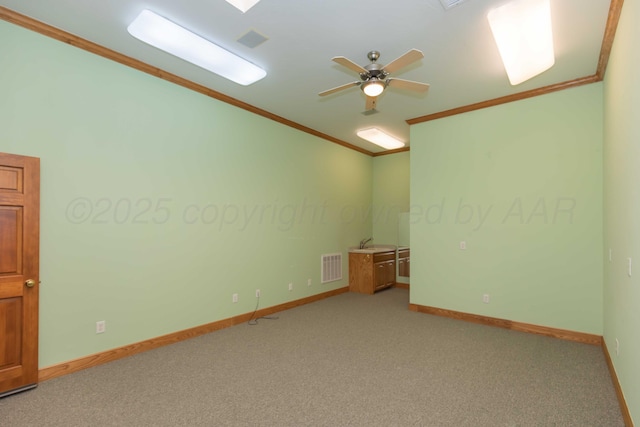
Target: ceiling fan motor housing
x,y
373,70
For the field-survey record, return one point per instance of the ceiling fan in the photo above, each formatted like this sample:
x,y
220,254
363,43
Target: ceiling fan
x,y
374,77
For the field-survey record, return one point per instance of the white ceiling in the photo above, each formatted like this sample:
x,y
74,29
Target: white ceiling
x,y
461,61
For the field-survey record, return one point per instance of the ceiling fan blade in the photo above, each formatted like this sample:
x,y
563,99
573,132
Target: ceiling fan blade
x,y
412,56
345,62
408,84
339,88
371,103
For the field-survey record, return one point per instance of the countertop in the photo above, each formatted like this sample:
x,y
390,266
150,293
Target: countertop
x,y
373,249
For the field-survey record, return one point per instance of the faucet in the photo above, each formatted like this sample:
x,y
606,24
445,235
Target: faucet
x,y
364,241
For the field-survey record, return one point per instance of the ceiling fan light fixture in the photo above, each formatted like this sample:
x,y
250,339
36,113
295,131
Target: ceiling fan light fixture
x,y
159,32
522,31
380,138
373,87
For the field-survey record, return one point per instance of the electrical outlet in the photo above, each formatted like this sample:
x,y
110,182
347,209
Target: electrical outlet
x,y
101,327
257,293
234,298
308,282
485,298
463,245
290,286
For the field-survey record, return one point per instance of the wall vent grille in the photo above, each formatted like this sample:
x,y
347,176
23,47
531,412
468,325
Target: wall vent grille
x,y
331,267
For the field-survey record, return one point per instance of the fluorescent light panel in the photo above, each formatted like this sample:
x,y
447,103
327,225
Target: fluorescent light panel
x,y
522,30
380,138
176,40
243,5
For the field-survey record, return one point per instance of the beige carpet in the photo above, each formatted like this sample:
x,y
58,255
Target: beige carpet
x,y
349,360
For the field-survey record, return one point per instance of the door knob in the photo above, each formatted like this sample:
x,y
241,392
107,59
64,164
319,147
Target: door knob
x,y
30,283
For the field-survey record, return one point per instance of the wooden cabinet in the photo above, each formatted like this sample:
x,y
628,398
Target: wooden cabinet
x,y
385,270
404,263
370,272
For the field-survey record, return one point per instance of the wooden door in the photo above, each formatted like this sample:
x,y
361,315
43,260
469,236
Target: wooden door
x,y
19,272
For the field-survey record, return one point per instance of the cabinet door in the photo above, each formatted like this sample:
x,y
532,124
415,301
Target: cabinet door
x,y
385,274
403,267
380,275
390,271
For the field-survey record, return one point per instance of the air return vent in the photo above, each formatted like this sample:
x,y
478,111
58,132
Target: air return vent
x,y
448,4
252,39
331,266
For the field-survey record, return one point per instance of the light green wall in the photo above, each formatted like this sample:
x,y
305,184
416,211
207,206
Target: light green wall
x,y
390,195
622,205
391,200
128,161
159,203
521,184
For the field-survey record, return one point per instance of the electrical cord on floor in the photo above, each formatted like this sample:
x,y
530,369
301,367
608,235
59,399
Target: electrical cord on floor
x,y
253,321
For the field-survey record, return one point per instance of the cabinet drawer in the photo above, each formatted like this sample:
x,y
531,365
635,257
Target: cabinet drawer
x,y
384,256
403,253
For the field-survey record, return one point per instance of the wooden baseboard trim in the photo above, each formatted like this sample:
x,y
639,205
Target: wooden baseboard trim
x,y
510,324
402,285
626,415
79,364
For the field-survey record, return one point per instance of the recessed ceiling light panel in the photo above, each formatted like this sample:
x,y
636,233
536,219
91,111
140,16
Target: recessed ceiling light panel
x,y
176,40
522,30
380,138
243,5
